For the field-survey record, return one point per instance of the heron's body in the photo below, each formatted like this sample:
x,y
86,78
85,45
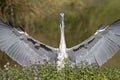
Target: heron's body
x,y
25,50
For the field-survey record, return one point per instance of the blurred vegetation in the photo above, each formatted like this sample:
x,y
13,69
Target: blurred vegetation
x,y
49,72
40,18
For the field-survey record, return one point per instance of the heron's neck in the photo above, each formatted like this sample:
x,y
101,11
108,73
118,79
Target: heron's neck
x,y
62,45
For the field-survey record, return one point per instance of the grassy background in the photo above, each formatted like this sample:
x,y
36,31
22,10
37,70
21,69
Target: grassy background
x,y
40,18
49,72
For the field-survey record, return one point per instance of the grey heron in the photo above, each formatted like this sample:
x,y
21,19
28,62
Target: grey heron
x,y
25,50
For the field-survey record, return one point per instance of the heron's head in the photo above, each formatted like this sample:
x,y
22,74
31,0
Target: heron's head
x,y
61,20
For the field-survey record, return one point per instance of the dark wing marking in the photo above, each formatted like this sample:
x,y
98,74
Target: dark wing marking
x,y
45,47
32,41
91,41
38,45
19,28
79,47
21,47
100,47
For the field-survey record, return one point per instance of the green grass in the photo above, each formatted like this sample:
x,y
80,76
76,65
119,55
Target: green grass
x,y
49,72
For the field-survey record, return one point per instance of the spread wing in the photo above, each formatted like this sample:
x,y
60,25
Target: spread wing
x,y
99,47
24,49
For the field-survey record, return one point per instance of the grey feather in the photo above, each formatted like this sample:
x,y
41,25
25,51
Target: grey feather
x,y
16,45
24,49
99,47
